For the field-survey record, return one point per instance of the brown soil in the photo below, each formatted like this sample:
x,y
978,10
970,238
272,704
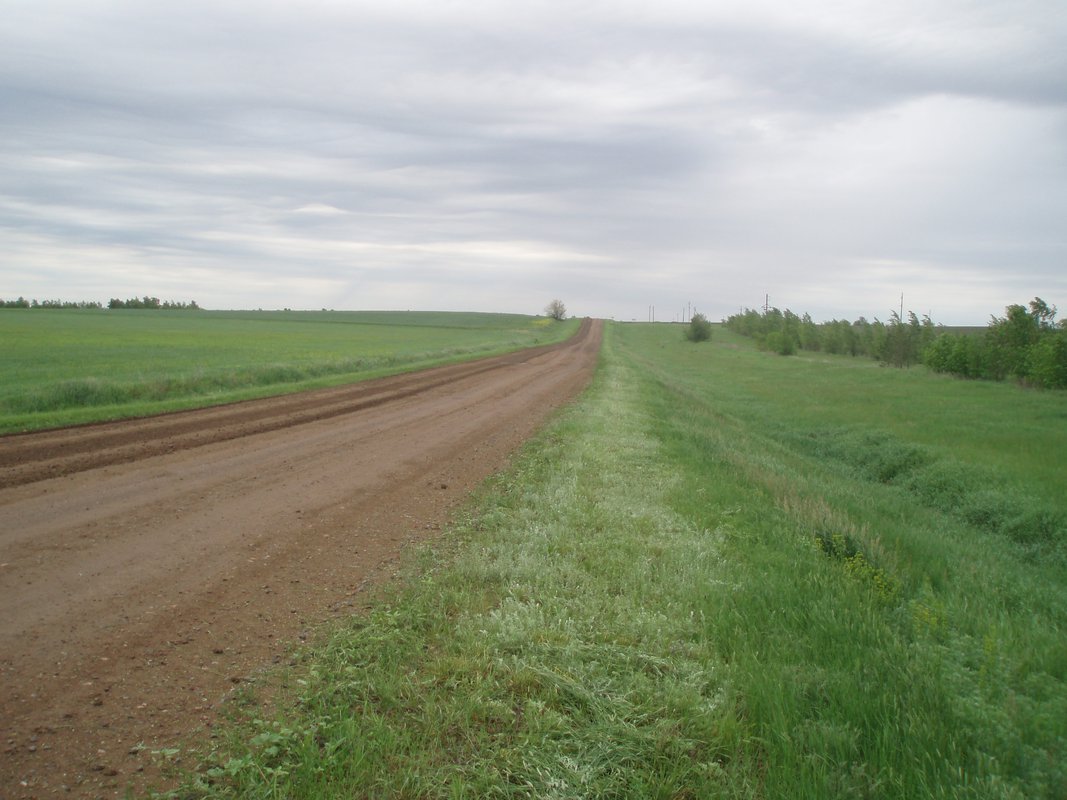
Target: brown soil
x,y
149,566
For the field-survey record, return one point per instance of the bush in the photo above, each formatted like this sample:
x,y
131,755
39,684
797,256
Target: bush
x,y
699,329
556,310
1046,361
780,343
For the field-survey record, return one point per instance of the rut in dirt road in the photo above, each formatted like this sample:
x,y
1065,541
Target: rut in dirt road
x,y
25,458
150,566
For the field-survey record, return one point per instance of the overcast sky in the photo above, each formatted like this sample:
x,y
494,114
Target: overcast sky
x,y
490,156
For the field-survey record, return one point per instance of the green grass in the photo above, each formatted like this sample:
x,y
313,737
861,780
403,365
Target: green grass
x,y
64,367
720,574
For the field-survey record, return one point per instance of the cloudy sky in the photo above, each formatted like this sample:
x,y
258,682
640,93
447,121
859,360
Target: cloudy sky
x,y
464,155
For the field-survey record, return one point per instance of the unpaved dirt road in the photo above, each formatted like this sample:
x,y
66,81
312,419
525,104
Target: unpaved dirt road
x,y
147,567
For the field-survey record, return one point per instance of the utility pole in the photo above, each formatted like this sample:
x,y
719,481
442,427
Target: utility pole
x,y
766,303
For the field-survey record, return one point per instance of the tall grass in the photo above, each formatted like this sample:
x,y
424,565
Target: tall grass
x,y
63,366
898,626
694,585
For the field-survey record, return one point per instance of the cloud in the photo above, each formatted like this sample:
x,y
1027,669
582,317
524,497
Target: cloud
x,y
485,156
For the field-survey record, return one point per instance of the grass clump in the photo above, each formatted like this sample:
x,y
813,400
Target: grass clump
x,y
871,453
975,494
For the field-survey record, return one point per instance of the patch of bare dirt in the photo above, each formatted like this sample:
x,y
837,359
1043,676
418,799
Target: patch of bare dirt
x,y
148,567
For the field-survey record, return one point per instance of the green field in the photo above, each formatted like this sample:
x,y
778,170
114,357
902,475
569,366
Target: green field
x,y
61,367
722,573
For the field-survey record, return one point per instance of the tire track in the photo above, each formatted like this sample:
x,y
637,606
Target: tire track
x,y
30,457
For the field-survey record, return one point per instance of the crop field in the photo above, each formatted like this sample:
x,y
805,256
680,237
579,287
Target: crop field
x,y
722,573
70,366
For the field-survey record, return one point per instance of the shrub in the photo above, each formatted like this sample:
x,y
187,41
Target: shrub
x,y
556,310
699,329
780,343
1046,362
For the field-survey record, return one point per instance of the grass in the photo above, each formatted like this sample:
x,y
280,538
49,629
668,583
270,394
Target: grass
x,y
717,575
72,366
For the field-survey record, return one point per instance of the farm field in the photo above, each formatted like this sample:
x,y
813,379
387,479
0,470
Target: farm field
x,y
64,367
721,573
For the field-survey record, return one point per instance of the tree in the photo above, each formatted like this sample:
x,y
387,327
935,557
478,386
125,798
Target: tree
x,y
556,310
1009,338
699,329
901,345
780,342
809,334
1043,314
1046,361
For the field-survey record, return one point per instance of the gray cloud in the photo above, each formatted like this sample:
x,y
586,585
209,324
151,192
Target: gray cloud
x,y
471,155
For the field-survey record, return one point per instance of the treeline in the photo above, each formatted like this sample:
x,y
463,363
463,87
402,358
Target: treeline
x,y
114,302
22,302
1026,344
899,342
152,302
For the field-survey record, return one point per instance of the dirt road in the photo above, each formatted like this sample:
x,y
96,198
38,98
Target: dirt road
x,y
148,567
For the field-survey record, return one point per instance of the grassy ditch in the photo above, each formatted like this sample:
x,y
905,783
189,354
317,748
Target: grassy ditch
x,y
71,366
675,593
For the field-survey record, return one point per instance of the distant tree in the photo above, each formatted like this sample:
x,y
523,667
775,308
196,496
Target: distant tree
x,y
22,302
1008,340
809,334
699,329
556,310
1026,344
863,330
780,342
1043,314
902,342
832,336
902,345
1046,362
153,303
791,329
